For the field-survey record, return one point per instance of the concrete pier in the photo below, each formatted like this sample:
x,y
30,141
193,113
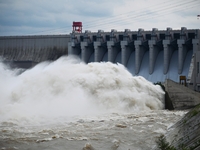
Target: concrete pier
x,y
113,47
127,47
126,52
100,47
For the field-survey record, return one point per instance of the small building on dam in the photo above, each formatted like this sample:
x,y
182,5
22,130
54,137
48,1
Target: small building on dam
x,y
156,55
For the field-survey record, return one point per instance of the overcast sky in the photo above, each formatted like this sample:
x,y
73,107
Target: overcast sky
x,y
44,17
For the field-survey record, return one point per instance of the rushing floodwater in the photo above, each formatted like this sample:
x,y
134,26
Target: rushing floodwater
x,y
67,104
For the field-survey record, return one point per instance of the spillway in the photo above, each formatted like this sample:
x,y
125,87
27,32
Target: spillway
x,y
155,55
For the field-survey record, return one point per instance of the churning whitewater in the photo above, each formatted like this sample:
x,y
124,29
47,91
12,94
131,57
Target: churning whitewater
x,y
69,87
70,105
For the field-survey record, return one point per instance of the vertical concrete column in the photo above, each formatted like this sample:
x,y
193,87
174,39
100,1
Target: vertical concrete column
x,y
86,51
167,55
182,51
112,51
139,53
72,49
153,53
126,52
196,69
99,51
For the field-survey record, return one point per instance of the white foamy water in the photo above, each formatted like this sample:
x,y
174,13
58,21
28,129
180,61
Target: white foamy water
x,y
68,100
68,87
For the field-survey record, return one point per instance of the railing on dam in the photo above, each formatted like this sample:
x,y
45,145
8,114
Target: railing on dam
x,y
156,55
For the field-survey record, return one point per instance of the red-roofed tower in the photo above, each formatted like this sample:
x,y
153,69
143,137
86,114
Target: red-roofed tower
x,y
77,27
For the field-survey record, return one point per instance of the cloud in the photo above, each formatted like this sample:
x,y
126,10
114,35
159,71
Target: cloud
x,y
52,17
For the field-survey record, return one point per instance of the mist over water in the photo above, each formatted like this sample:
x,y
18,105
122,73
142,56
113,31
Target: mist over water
x,y
57,91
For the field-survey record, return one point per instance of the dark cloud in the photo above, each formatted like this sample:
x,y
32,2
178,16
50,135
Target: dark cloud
x,y
49,13
57,16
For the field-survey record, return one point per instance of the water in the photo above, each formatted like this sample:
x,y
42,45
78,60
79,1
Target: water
x,y
67,104
157,75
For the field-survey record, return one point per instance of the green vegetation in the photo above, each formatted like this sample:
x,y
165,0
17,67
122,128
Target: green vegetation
x,y
162,86
162,144
192,113
193,144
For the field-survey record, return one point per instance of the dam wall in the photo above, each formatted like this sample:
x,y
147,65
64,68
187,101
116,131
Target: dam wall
x,y
156,55
26,51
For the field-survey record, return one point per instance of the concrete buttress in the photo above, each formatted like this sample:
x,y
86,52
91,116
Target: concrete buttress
x,y
126,52
73,49
167,55
139,53
112,51
86,51
99,51
153,53
182,51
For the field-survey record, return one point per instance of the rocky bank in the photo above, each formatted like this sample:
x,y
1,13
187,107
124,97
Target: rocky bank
x,y
185,134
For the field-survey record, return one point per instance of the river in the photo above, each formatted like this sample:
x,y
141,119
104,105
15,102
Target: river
x,y
67,104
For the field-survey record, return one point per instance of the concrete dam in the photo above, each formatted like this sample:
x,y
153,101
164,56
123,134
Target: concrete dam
x,y
156,55
27,51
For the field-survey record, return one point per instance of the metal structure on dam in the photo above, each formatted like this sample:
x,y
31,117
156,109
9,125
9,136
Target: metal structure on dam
x,y
156,55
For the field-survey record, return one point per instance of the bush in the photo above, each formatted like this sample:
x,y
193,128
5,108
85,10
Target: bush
x,y
162,144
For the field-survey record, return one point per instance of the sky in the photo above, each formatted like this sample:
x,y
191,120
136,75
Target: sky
x,y
52,17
